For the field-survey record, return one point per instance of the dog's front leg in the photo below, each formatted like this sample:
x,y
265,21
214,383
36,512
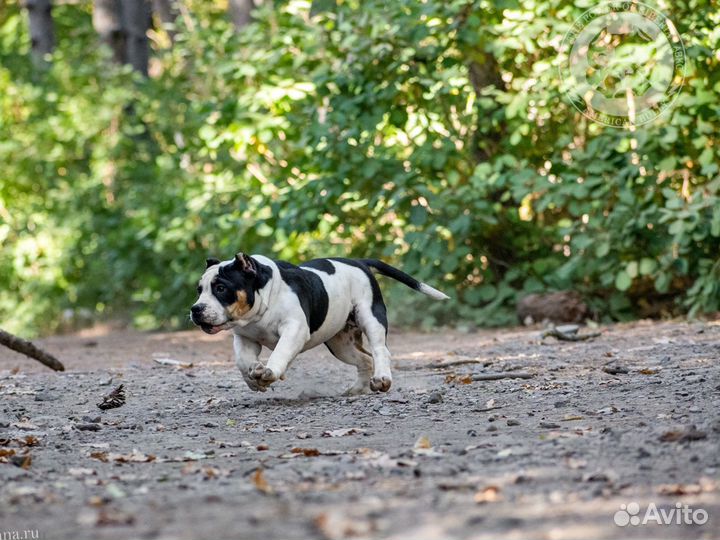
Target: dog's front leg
x,y
247,353
293,338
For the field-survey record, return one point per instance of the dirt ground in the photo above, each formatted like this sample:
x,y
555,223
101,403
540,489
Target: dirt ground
x,y
632,416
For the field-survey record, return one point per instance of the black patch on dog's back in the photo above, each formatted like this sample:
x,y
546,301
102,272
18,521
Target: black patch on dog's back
x,y
324,265
378,306
310,291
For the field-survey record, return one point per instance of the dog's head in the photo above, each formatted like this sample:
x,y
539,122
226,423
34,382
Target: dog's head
x,y
226,292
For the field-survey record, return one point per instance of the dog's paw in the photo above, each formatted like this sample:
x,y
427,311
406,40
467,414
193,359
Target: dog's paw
x,y
380,384
262,376
253,385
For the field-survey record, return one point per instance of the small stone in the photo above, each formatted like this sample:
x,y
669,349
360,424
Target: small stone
x,y
434,397
88,427
549,425
513,422
492,428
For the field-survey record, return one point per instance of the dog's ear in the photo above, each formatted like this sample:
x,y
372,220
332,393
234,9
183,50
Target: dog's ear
x,y
212,261
245,263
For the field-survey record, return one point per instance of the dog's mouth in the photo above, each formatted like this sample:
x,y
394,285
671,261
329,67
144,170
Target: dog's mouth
x,y
214,329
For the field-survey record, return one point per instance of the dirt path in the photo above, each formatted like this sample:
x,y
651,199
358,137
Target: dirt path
x,y
194,454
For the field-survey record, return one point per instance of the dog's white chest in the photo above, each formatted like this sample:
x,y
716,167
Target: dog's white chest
x,y
263,336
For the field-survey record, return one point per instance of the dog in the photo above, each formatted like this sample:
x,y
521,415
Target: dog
x,y
291,309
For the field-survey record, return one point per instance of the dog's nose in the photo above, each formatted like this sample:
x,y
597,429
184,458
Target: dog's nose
x,y
197,309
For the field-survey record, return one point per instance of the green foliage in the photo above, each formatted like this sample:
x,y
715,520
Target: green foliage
x,y
434,135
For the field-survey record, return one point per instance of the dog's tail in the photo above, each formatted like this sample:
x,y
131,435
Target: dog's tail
x,y
392,272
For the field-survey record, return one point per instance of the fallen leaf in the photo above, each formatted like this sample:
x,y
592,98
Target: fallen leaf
x,y
679,489
487,495
193,456
80,471
26,426
102,456
132,457
648,371
462,379
107,517
113,400
338,526
423,443
173,362
690,434
6,453
307,452
260,483
29,440
343,432
23,461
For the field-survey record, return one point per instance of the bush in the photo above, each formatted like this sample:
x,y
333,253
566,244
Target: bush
x,y
434,135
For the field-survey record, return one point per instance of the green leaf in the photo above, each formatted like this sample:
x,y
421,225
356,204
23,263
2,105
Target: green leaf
x,y
623,281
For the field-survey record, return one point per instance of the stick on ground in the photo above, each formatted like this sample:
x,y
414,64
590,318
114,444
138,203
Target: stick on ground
x,y
501,375
563,336
28,349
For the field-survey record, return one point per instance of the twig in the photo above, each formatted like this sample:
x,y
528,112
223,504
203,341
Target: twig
x,y
28,349
443,364
562,336
502,375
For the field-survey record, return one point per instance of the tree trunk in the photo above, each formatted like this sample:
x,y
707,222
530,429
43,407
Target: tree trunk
x,y
107,21
123,26
42,30
167,12
136,18
28,349
240,12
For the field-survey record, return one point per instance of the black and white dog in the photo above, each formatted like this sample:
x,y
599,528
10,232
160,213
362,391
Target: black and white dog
x,y
290,309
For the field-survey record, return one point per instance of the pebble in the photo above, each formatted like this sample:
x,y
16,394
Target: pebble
x,y
434,397
549,425
513,422
88,427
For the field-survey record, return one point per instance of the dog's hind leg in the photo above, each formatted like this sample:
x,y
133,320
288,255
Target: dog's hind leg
x,y
347,347
372,319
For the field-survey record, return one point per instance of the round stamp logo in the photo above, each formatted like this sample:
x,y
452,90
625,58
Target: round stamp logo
x,y
626,63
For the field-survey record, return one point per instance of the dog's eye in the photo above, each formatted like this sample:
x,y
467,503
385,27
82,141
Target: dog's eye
x,y
199,289
220,289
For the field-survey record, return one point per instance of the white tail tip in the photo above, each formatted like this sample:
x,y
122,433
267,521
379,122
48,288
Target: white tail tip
x,y
432,292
